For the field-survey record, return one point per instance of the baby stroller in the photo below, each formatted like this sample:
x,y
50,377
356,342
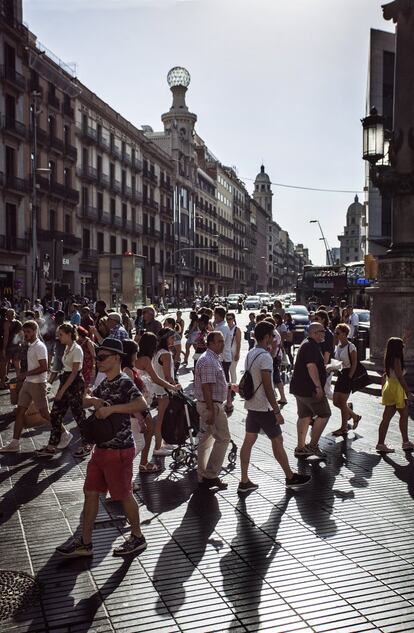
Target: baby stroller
x,y
181,425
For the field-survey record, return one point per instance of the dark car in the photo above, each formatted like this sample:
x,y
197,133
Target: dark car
x,y
300,315
364,317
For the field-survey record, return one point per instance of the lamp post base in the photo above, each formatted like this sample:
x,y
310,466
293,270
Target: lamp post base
x,y
392,310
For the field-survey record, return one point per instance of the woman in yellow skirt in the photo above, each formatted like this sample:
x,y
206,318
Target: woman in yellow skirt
x,y
395,394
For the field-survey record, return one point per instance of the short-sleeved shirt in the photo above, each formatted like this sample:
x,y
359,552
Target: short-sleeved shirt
x,y
36,352
118,332
153,326
75,318
344,354
225,330
258,360
72,354
353,322
209,370
120,390
301,383
328,344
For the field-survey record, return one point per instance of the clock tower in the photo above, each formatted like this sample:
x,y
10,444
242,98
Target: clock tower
x,y
263,192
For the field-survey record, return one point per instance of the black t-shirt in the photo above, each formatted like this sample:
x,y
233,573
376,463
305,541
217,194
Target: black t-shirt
x,y
328,344
301,383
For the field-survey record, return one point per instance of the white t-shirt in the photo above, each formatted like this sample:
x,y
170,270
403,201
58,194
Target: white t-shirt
x,y
36,352
225,330
353,322
262,361
158,368
341,353
72,354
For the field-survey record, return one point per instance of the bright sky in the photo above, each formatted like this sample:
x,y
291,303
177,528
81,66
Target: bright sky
x,y
278,81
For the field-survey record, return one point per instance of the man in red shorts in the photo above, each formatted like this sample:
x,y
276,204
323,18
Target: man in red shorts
x,y
111,464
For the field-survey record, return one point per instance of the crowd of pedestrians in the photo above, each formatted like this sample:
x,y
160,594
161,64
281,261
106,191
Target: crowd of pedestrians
x,y
116,373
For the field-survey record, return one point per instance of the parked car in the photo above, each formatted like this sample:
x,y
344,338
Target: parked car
x,y
252,303
300,315
364,317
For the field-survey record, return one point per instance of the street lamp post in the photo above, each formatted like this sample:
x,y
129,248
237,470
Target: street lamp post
x,y
327,249
392,311
35,113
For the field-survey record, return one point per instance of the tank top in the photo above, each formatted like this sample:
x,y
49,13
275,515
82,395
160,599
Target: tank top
x,y
160,391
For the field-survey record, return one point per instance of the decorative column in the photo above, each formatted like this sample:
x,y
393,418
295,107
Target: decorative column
x,y
393,297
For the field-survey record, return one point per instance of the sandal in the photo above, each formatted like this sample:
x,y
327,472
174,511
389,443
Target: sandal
x,y
356,422
45,451
83,451
408,446
383,448
339,433
282,403
149,468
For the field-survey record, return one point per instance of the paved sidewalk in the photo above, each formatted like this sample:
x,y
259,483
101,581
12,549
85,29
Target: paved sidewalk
x,y
337,556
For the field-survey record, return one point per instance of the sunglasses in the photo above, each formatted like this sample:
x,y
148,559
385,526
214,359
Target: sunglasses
x,y
102,357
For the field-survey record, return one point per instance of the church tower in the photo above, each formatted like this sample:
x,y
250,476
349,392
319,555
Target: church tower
x,y
263,192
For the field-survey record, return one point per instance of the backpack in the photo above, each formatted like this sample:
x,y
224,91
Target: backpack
x,y
246,385
174,429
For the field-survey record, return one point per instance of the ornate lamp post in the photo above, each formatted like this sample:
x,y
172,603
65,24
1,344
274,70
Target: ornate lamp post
x,y
391,157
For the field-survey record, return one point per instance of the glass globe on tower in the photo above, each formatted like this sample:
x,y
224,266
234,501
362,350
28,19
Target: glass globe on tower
x,y
178,76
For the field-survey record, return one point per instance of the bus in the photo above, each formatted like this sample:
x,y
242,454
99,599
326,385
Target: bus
x,y
328,285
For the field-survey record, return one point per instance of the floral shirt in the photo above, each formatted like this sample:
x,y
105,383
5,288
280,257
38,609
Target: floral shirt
x,y
120,390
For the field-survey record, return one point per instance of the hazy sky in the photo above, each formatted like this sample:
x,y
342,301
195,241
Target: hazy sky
x,y
278,81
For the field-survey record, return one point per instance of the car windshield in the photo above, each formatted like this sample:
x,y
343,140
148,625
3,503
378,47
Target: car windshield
x,y
252,298
233,296
298,310
264,294
364,317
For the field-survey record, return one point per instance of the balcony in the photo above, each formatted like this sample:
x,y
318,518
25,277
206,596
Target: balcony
x,y
116,221
115,186
126,159
89,253
87,133
70,242
168,211
71,151
11,76
68,110
90,213
150,175
14,127
167,186
115,151
127,225
104,218
53,101
14,184
57,144
14,244
87,172
102,143
136,164
150,204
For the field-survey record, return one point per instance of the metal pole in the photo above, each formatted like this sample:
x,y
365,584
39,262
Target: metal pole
x,y
34,201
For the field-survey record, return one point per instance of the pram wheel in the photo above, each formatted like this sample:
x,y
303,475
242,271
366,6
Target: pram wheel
x,y
191,461
232,456
179,455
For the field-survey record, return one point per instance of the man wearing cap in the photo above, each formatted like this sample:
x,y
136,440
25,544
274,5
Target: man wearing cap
x,y
111,465
150,323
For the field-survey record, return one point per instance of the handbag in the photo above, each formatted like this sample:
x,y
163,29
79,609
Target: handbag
x,y
97,431
360,379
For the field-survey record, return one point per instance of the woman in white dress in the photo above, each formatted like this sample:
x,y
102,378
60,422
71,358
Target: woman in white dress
x,y
235,332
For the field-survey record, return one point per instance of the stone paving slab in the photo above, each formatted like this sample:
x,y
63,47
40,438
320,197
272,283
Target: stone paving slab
x,y
336,557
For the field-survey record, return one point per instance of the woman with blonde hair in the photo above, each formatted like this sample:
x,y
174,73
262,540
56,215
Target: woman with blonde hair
x,y
395,393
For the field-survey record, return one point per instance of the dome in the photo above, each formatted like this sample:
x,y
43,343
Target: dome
x,y
356,206
262,177
178,76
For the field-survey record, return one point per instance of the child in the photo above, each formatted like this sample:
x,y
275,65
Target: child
x,y
395,394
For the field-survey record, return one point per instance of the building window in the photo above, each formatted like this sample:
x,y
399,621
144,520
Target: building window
x,y
52,220
100,242
68,224
99,200
134,248
124,245
112,244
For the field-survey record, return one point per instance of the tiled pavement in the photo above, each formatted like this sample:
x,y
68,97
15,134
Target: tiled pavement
x,y
337,556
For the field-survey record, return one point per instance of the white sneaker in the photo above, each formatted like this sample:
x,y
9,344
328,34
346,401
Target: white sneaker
x,y
65,439
11,447
162,451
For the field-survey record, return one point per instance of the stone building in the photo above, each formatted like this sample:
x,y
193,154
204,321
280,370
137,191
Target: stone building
x,y
352,242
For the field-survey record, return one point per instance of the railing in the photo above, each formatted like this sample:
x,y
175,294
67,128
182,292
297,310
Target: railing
x,y
115,186
152,204
136,164
167,210
116,221
12,125
22,185
164,184
115,151
71,151
150,175
88,133
103,143
126,158
87,172
104,217
10,74
12,243
57,143
90,213
70,242
53,101
89,253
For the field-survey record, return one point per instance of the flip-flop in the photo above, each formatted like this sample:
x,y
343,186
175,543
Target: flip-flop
x,y
356,422
339,433
149,468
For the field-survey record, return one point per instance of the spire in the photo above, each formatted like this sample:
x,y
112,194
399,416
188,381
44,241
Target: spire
x,y
356,198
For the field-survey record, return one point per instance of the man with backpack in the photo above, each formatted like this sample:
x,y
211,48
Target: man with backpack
x,y
263,412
